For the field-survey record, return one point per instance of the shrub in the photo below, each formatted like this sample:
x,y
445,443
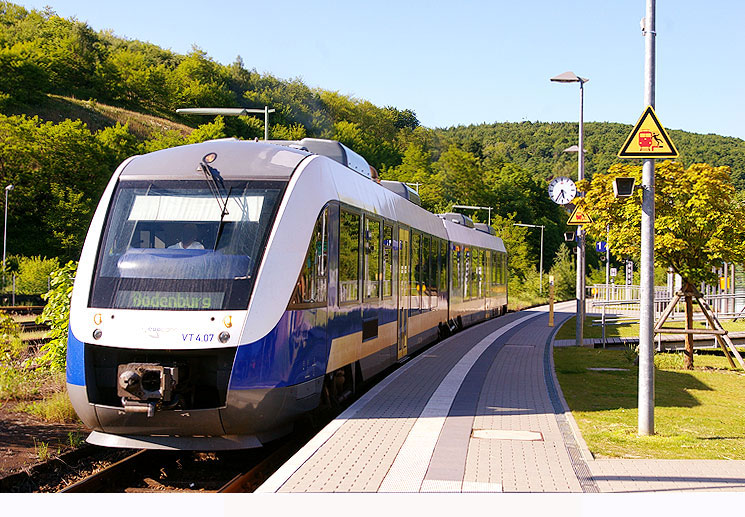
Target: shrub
x,y
57,315
565,278
56,409
16,383
669,361
11,346
33,274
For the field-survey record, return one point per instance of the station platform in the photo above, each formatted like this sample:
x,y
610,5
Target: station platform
x,y
480,412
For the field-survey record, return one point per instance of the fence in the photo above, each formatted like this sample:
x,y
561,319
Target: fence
x,y
625,300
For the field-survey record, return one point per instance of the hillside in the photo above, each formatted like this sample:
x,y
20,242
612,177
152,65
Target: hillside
x,y
75,102
98,116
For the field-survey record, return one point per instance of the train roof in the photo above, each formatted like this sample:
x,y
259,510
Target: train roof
x,y
235,159
464,235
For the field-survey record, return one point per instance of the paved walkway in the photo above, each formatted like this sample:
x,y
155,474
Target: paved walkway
x,y
479,412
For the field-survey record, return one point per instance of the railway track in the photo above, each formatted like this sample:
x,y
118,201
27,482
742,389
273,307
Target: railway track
x,y
169,471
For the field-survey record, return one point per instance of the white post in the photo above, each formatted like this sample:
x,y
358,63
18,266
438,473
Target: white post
x,y
541,262
580,232
646,318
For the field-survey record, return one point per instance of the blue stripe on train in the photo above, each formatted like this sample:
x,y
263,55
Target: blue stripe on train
x,y
75,362
297,349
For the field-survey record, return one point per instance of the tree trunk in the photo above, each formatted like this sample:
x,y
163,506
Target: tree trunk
x,y
688,292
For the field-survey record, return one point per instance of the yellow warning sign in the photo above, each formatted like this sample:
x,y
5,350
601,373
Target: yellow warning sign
x,y
579,216
648,139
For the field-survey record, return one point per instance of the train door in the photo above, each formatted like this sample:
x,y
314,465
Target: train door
x,y
404,300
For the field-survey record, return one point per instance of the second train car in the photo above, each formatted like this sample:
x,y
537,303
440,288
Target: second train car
x,y
226,288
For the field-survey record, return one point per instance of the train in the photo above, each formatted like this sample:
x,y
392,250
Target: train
x,y
227,288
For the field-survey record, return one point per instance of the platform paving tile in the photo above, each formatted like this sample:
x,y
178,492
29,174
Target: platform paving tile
x,y
359,454
638,475
514,397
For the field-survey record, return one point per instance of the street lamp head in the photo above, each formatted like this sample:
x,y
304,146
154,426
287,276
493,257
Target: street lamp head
x,y
9,187
569,77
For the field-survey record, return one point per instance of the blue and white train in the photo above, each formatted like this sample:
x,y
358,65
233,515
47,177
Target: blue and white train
x,y
226,288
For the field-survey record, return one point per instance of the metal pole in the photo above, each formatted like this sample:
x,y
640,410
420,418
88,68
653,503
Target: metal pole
x,y
541,262
580,233
646,317
266,122
607,276
5,233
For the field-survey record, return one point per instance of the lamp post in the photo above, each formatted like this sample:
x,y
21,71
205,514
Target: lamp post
x,y
231,112
542,227
5,228
571,77
476,208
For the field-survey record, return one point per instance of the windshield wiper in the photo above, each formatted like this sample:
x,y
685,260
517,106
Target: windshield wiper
x,y
222,218
215,181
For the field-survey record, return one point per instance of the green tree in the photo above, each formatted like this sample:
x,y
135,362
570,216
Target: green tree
x,y
700,221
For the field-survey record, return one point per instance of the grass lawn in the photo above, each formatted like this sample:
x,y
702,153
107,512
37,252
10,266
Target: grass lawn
x,y
567,331
699,414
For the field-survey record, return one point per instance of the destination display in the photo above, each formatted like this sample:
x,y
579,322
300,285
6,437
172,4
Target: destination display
x,y
168,300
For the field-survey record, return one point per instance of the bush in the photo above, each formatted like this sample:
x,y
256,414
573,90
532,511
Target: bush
x,y
56,409
565,278
33,274
11,346
669,361
57,315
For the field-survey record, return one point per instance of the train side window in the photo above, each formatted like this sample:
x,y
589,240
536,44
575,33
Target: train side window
x,y
487,272
494,269
456,274
416,268
426,285
313,280
467,290
483,279
349,256
371,264
387,261
475,263
442,285
434,272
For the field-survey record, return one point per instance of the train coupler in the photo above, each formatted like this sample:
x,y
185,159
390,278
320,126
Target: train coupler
x,y
142,386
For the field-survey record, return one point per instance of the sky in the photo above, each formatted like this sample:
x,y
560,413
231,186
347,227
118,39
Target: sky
x,y
466,62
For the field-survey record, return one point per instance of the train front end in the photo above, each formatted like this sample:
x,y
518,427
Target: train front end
x,y
160,301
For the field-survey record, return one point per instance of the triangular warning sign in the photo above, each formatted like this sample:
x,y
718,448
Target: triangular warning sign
x,y
579,216
648,139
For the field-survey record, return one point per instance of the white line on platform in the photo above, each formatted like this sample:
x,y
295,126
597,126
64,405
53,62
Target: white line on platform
x,y
410,466
280,477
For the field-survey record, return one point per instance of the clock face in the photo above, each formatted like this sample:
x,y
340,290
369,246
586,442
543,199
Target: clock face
x,y
562,190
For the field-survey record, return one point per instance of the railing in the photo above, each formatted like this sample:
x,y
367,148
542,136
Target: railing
x,y
625,300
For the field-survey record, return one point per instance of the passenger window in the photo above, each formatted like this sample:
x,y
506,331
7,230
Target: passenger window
x,y
387,261
312,283
416,267
349,256
425,281
456,268
371,265
443,283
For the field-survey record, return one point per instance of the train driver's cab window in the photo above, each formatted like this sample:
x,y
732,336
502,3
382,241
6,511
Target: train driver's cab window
x,y
349,256
172,244
312,283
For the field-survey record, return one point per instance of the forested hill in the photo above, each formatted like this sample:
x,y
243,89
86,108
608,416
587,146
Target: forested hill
x,y
539,146
75,101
